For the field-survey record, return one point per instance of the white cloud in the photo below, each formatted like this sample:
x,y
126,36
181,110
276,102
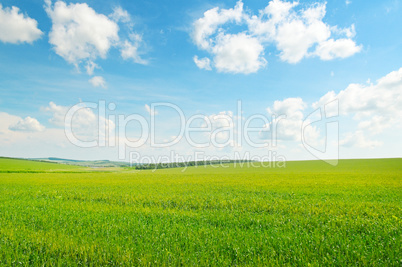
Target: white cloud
x,y
21,134
91,66
130,49
49,141
234,53
84,122
288,123
291,107
375,124
375,106
59,112
222,128
340,48
119,14
208,24
288,118
6,121
202,63
82,119
79,33
238,53
16,27
358,139
296,35
349,32
98,81
27,125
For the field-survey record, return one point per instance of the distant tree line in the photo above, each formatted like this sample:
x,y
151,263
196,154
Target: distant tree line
x,y
166,165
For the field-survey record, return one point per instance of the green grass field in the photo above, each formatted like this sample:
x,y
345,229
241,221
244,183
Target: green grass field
x,y
306,213
20,165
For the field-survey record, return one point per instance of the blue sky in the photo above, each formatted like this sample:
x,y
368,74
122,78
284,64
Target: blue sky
x,y
276,57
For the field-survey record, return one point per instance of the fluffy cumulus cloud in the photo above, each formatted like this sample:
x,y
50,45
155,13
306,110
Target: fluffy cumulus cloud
x,y
223,126
293,33
90,67
98,81
287,120
130,49
82,118
238,53
84,121
119,14
16,27
80,35
202,63
296,33
358,139
375,107
27,125
59,112
21,137
22,134
206,26
340,48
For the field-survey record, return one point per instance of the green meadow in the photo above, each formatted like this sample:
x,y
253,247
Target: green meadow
x,y
307,213
11,165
